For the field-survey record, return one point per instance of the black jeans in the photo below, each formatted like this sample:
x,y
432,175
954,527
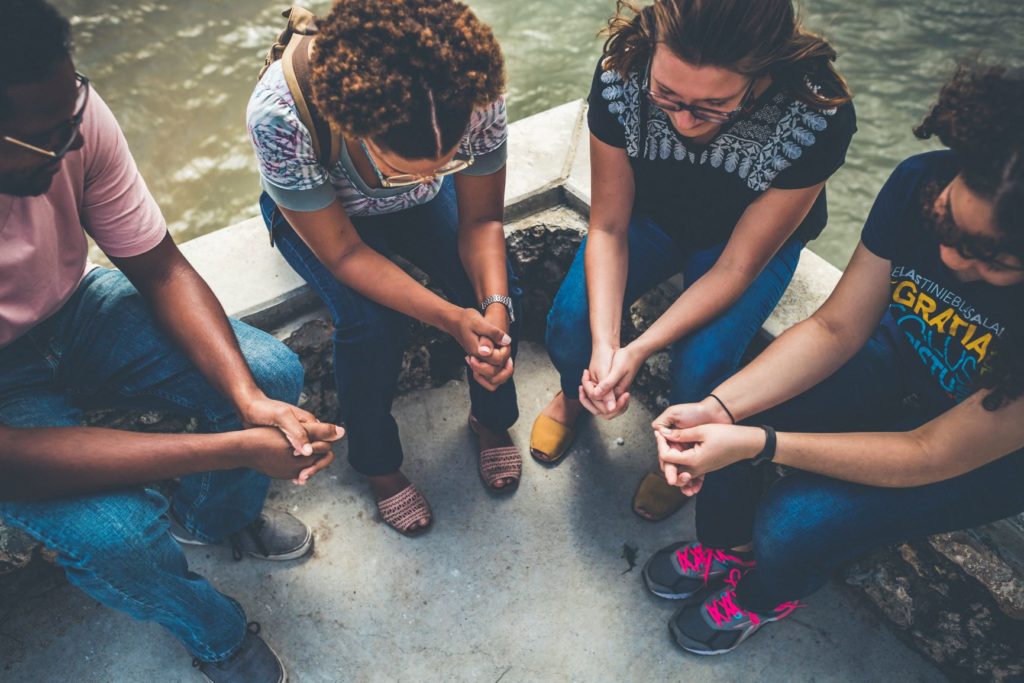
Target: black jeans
x,y
369,339
805,525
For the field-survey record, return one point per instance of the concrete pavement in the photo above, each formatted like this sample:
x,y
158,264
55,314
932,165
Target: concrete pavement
x,y
532,586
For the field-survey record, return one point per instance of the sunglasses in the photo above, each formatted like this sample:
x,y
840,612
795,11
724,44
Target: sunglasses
x,y
703,113
408,179
66,132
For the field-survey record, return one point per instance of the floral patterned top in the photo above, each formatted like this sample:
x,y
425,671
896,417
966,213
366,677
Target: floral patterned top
x,y
697,193
293,177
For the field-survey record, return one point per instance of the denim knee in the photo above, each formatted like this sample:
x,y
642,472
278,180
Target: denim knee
x,y
698,366
114,531
276,368
567,338
794,527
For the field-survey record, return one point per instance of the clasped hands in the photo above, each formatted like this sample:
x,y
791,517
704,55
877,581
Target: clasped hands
x,y
488,346
604,387
696,438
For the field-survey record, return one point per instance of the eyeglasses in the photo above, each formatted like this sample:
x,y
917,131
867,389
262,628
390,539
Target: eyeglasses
x,y
407,179
66,132
981,248
702,113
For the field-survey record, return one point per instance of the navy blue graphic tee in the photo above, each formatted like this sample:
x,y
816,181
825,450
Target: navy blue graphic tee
x,y
949,326
697,193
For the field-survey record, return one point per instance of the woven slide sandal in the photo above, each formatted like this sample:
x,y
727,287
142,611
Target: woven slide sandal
x,y
404,509
500,463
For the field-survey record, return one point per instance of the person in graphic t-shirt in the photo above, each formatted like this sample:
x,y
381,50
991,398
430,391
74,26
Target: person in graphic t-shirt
x,y
149,335
414,90
713,129
908,381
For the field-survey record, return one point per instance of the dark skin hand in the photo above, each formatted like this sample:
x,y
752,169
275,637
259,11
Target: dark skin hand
x,y
37,464
186,309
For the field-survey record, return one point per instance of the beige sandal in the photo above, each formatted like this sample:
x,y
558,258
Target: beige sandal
x,y
404,509
496,464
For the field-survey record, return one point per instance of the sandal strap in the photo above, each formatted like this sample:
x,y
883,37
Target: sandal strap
x,y
500,463
404,508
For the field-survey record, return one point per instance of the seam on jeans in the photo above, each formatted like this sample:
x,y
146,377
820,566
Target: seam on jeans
x,y
51,542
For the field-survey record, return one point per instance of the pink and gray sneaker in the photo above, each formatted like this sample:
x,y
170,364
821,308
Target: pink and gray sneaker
x,y
683,569
718,624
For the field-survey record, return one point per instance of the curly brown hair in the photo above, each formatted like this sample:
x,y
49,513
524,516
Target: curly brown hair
x,y
752,37
407,73
978,116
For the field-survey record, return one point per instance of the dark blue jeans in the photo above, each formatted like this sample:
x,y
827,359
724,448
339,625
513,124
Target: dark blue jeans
x,y
369,339
805,525
104,350
701,360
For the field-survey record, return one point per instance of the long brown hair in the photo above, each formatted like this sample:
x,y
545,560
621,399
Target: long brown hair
x,y
751,37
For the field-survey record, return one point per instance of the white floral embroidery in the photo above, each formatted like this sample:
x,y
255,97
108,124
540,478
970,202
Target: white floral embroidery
x,y
756,148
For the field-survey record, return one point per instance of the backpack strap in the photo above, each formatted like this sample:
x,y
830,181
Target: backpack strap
x,y
292,48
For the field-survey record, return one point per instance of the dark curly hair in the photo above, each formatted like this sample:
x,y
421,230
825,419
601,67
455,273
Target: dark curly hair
x,y
34,38
406,73
978,116
752,37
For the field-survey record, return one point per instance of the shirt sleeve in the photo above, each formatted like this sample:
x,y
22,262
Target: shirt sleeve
x,y
831,134
285,157
117,209
606,106
487,140
890,218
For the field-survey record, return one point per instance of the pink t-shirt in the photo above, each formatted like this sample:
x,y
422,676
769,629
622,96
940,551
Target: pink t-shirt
x,y
43,248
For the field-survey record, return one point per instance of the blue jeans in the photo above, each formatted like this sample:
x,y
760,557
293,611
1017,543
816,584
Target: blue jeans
x,y
806,525
700,360
370,339
102,349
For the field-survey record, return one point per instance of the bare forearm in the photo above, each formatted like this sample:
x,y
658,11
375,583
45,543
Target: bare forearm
x,y
58,461
482,251
379,279
187,310
606,262
703,301
892,459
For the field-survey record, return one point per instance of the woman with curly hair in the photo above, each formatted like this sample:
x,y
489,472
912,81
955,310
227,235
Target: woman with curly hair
x,y
913,369
414,88
714,127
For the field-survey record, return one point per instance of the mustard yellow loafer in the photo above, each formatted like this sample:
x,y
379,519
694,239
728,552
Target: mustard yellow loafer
x,y
550,440
655,500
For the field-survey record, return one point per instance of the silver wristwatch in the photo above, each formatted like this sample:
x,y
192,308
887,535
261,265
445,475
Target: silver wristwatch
x,y
505,301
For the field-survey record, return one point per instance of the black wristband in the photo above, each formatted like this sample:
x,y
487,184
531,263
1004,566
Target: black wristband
x,y
767,453
727,411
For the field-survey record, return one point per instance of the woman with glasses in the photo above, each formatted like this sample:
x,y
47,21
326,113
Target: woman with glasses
x,y
713,128
414,89
909,377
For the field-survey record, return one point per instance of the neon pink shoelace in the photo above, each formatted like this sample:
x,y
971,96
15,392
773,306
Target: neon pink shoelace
x,y
697,558
724,609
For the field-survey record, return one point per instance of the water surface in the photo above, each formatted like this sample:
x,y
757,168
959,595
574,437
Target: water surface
x,y
178,76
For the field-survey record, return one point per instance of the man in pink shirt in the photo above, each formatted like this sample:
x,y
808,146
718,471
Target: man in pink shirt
x,y
149,335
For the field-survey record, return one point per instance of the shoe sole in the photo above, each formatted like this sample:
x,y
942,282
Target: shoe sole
x,y
300,551
284,671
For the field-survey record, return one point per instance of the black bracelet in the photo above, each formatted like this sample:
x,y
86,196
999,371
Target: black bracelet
x,y
767,453
727,411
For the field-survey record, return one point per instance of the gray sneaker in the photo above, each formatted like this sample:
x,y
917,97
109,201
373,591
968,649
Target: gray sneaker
x,y
681,570
274,535
718,624
255,662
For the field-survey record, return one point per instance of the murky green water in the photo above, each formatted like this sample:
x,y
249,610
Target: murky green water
x,y
178,76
